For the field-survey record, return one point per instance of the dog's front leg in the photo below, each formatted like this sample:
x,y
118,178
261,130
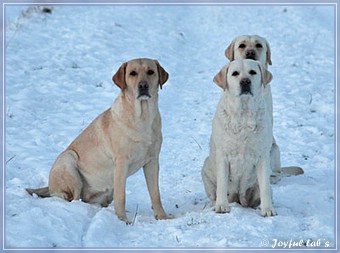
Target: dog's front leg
x,y
151,173
119,178
263,176
222,174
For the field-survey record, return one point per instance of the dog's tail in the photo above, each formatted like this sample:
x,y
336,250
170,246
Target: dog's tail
x,y
41,192
285,172
291,171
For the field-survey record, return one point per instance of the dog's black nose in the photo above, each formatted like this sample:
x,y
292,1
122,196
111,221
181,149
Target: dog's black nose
x,y
143,90
245,84
143,85
251,54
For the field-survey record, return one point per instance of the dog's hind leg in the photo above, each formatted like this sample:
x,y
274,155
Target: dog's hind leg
x,y
65,181
275,157
275,163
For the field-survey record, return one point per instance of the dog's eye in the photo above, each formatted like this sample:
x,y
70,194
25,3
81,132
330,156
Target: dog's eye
x,y
252,72
133,73
242,45
150,72
258,45
235,73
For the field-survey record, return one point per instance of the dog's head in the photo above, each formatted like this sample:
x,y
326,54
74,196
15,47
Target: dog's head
x,y
251,47
140,78
243,78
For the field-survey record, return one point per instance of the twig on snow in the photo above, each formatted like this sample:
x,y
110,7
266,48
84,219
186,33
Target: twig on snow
x,y
197,143
10,159
177,239
205,205
134,217
310,99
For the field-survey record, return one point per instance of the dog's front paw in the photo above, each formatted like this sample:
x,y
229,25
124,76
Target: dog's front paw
x,y
124,219
267,212
163,216
221,208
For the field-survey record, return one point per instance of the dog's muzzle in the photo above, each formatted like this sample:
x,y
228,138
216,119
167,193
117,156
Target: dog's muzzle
x,y
251,54
143,90
245,84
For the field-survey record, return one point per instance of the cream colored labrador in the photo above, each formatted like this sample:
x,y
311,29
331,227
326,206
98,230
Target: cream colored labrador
x,y
121,140
257,48
238,166
250,47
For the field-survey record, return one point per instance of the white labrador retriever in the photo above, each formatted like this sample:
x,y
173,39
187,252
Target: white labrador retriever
x,y
257,48
238,166
120,141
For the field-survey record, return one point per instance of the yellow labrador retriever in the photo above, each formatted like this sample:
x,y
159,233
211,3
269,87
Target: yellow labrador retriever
x,y
250,47
120,141
238,166
257,48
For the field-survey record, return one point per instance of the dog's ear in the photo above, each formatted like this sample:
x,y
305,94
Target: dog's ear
x,y
269,59
229,52
119,77
163,75
266,76
221,78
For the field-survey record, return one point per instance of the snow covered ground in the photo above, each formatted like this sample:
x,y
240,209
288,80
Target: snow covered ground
x,y
58,79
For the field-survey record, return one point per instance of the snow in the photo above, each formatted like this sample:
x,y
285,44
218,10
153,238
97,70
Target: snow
x,y
58,79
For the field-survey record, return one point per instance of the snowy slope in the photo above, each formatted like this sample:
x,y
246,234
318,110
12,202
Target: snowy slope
x,y
58,79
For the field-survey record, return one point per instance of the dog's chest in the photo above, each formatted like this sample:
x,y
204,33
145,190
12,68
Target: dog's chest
x,y
246,145
143,150
244,127
141,154
243,123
